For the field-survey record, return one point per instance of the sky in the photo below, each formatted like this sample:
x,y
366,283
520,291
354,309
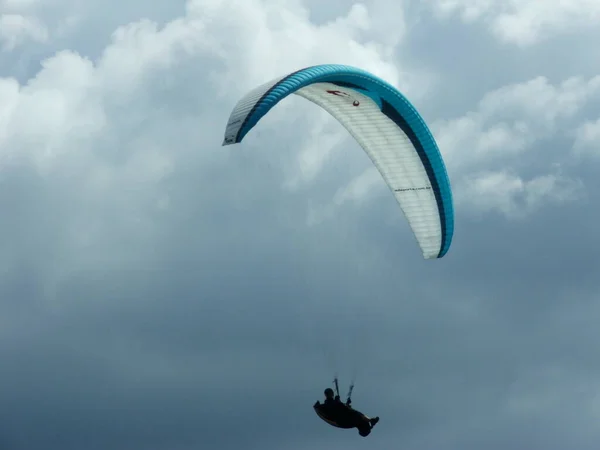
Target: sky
x,y
161,292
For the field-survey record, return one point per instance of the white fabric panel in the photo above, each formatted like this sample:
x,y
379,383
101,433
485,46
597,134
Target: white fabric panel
x,y
392,153
243,108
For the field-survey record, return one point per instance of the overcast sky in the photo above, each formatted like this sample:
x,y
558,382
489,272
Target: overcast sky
x,y
161,292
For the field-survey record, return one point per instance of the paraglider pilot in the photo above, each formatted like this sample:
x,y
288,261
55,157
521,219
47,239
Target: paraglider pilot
x,y
342,415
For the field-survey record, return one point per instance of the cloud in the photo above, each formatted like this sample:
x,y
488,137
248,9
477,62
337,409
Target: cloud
x,y
487,148
524,23
510,120
159,291
40,25
140,47
587,137
14,28
514,197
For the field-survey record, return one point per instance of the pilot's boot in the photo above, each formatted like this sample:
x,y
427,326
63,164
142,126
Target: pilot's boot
x,y
373,421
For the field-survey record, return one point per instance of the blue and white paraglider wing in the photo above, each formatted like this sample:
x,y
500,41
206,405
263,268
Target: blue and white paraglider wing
x,y
387,127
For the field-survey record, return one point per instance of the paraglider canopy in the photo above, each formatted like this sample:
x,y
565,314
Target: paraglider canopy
x,y
386,125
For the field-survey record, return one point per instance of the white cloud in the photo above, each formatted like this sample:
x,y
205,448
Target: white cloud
x,y
468,9
28,22
494,139
17,4
513,196
587,139
273,38
70,90
510,120
524,22
17,28
156,101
